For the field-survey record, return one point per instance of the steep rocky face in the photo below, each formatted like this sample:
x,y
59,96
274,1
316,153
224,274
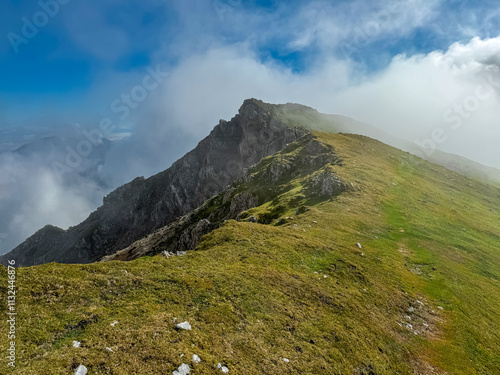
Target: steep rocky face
x,y
306,159
142,206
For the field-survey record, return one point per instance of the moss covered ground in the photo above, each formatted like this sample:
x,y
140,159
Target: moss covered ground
x,y
420,296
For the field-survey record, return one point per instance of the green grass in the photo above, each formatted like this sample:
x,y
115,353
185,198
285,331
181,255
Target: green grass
x,y
256,293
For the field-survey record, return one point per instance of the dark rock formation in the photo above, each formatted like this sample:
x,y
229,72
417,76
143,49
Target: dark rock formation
x,y
142,206
301,159
186,232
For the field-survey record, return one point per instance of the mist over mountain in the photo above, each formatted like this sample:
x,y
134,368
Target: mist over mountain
x,y
143,205
59,179
33,193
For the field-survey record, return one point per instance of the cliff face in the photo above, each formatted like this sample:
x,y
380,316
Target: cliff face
x,y
259,186
140,207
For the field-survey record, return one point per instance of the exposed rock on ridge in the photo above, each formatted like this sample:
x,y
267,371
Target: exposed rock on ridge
x,y
301,159
144,205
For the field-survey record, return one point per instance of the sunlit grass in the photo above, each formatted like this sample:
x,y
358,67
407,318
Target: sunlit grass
x,y
255,293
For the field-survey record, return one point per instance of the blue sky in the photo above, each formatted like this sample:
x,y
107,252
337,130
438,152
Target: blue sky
x,y
85,40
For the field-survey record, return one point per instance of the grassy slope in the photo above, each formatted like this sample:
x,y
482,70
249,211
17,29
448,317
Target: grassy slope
x,y
256,293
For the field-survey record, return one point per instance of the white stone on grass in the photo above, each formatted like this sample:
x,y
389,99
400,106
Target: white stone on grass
x,y
184,325
224,369
81,370
182,370
76,344
359,245
285,360
196,359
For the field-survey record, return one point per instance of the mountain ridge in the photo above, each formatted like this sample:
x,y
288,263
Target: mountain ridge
x,y
144,206
357,258
186,232
136,209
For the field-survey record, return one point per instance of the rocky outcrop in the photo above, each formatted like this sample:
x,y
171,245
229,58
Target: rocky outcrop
x,y
142,206
186,232
241,202
190,238
261,184
327,185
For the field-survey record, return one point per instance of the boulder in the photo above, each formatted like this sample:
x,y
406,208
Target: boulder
x,y
184,325
183,369
81,370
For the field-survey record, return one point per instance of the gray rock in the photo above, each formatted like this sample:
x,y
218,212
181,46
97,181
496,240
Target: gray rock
x,y
241,202
281,221
327,184
183,369
277,171
224,369
184,325
301,210
81,370
252,219
190,238
196,359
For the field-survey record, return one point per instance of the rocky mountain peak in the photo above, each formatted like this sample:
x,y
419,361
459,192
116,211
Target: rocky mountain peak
x,y
142,206
252,108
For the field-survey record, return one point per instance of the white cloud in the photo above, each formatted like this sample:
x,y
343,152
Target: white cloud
x,y
418,94
409,98
356,24
32,196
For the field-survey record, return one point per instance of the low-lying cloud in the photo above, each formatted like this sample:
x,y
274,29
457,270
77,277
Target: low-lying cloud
x,y
32,196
